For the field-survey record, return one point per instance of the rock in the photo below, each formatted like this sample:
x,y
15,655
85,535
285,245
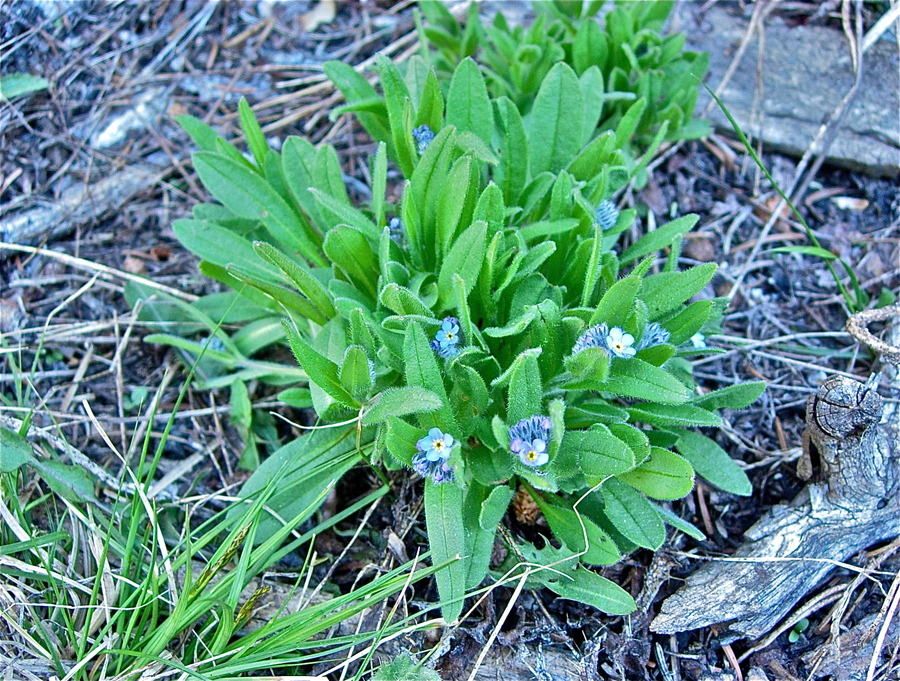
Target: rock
x,y
806,71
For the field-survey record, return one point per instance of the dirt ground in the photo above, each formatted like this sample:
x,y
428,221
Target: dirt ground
x,y
120,72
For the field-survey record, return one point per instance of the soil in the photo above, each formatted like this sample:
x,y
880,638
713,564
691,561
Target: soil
x,y
785,323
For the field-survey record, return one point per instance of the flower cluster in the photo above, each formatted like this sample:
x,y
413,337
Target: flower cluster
x,y
431,459
606,215
654,334
395,229
423,136
618,343
448,339
615,341
529,439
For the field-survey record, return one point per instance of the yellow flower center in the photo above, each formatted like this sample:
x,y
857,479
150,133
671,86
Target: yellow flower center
x,y
438,445
532,455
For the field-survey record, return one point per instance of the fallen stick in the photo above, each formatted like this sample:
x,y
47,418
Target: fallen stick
x,y
81,205
853,505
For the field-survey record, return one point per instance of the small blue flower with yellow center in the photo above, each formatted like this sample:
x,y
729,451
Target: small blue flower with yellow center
x,y
430,461
448,339
528,439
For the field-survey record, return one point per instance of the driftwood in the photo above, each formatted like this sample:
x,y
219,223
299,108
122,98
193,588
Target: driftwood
x,y
854,504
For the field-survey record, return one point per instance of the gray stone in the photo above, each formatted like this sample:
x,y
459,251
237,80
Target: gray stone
x,y
806,71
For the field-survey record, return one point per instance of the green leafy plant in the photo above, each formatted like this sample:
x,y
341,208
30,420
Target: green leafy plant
x,y
632,79
488,331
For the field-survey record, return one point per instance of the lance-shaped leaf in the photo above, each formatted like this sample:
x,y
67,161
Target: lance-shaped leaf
x,y
468,104
447,540
464,260
665,475
321,370
247,194
400,402
555,127
713,463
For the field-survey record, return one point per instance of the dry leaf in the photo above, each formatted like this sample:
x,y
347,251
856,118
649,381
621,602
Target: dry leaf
x,y
322,13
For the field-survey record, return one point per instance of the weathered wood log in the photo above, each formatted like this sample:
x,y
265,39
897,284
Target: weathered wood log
x,y
854,505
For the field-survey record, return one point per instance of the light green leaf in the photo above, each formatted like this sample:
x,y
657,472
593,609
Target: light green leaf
x,y
355,374
677,522
665,475
599,452
735,396
400,402
525,388
248,195
665,291
422,370
636,378
220,246
464,259
70,482
447,540
321,370
349,249
14,451
689,321
402,301
617,302
302,278
494,507
17,84
256,140
632,515
572,528
589,587
659,238
713,463
468,104
672,415
512,171
554,130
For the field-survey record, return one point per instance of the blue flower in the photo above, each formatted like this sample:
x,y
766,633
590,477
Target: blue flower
x,y
436,445
529,438
594,337
423,136
654,334
395,229
614,341
448,338
439,471
606,215
431,459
